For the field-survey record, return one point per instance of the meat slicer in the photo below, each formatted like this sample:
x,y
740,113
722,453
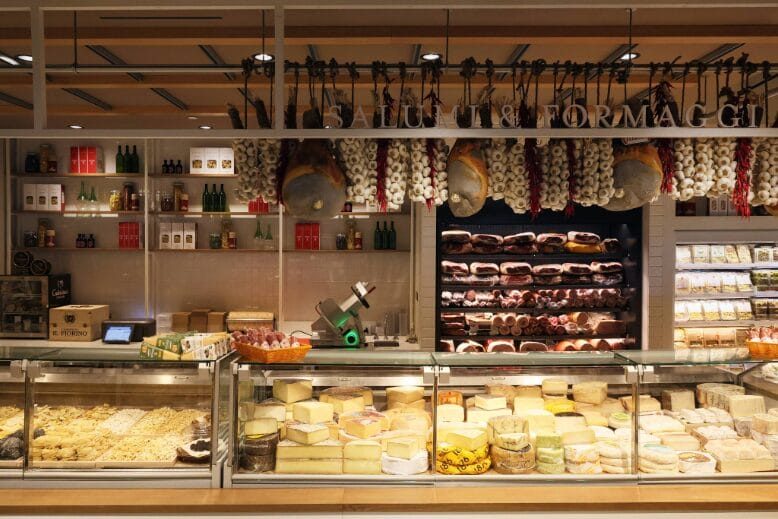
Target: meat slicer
x,y
339,324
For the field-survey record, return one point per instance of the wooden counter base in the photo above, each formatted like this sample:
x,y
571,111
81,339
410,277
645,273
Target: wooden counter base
x,y
678,498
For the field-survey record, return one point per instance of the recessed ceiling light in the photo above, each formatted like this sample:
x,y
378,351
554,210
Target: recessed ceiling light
x,y
206,127
24,57
75,127
191,117
9,60
431,56
629,56
264,57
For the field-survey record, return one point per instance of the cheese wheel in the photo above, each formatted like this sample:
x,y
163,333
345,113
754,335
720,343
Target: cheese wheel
x,y
402,467
507,461
637,171
314,185
468,180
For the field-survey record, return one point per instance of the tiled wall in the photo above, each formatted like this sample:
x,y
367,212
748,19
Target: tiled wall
x,y
425,284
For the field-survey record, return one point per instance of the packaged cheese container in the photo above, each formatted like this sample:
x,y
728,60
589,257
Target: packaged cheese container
x,y
682,284
727,311
695,310
743,309
763,254
713,282
718,253
697,283
700,253
710,310
681,313
744,254
683,255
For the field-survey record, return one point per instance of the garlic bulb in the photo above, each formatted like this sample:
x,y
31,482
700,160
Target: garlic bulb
x,y
353,160
419,170
517,184
269,153
724,167
371,170
246,166
497,166
605,190
703,167
397,158
440,154
764,178
683,182
588,183
554,187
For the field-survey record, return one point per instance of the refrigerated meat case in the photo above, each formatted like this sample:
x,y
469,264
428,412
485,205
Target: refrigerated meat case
x,y
106,418
497,218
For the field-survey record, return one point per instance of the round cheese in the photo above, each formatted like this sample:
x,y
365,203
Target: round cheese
x,y
479,467
512,462
453,455
511,441
402,467
550,468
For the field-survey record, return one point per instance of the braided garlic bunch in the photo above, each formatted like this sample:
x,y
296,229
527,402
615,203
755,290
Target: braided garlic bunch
x,y
683,183
605,189
397,158
588,184
724,167
497,166
765,172
269,153
703,167
353,160
517,185
371,171
440,153
553,190
247,167
420,170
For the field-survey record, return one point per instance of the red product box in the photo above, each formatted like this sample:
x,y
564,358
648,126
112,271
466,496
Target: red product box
x,y
252,206
83,160
91,157
308,229
299,230
74,163
315,236
122,242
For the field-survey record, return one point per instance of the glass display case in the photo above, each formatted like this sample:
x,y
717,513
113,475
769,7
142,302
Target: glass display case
x,y
108,418
12,403
336,417
705,420
534,417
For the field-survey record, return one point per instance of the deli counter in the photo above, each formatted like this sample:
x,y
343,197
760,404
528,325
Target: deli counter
x,y
413,418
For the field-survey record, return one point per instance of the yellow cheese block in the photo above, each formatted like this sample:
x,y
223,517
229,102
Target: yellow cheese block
x,y
578,436
408,418
313,412
362,427
419,437
469,439
327,449
405,448
594,418
309,466
528,392
594,392
362,450
367,467
404,394
450,413
306,433
261,427
346,404
490,402
382,418
526,403
270,410
418,404
292,390
365,393
554,386
475,414
539,420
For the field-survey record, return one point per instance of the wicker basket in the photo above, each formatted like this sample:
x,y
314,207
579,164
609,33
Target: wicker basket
x,y
277,356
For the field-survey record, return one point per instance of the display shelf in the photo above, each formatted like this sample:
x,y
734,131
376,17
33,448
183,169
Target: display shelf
x,y
190,176
465,288
532,337
737,323
190,251
236,214
76,249
531,311
555,258
69,212
723,223
369,251
701,297
81,176
726,266
765,293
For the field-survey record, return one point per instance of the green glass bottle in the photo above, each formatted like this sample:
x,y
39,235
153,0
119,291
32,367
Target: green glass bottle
x,y
119,160
378,237
384,237
214,204
135,160
127,159
222,200
392,238
206,199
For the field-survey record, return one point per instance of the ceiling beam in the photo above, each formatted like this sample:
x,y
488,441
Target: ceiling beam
x,y
89,98
514,57
13,100
406,35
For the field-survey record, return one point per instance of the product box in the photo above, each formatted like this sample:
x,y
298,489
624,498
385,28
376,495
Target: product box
x,y
307,230
129,235
315,236
177,235
83,159
180,322
226,161
212,161
165,236
30,197
41,197
190,236
196,161
91,159
298,235
215,322
198,320
718,206
79,323
59,290
74,164
56,200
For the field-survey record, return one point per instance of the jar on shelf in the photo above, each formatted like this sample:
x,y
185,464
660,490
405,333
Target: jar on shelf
x,y
358,240
340,241
215,240
31,163
134,202
178,190
127,191
114,200
43,160
232,240
184,205
167,204
51,238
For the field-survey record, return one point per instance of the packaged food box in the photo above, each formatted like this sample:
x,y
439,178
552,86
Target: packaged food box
x,y
240,320
79,323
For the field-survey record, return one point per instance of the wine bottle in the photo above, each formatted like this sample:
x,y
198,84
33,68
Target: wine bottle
x,y
377,237
135,160
165,168
127,159
392,238
206,199
222,200
214,199
90,242
179,168
385,237
119,160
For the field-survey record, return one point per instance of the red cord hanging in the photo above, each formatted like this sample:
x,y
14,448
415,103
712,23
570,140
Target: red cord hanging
x,y
742,178
383,148
430,144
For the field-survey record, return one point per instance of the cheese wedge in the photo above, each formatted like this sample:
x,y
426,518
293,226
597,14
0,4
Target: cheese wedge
x,y
363,427
512,441
292,390
405,448
468,439
313,412
490,402
306,433
346,404
404,394
362,450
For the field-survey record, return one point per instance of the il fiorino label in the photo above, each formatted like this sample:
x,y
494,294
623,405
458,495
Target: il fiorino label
x,y
73,333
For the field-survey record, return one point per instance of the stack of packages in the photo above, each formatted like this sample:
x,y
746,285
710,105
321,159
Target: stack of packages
x,y
185,346
657,459
615,456
511,450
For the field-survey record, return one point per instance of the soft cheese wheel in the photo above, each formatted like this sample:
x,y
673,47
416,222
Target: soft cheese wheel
x,y
504,425
398,466
511,441
581,453
468,180
594,392
637,176
314,186
696,462
404,394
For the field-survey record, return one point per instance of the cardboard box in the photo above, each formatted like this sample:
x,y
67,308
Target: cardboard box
x,y
196,161
30,198
83,159
74,160
91,158
78,323
216,322
226,161
198,321
177,235
212,160
56,200
41,197
180,322
165,236
190,236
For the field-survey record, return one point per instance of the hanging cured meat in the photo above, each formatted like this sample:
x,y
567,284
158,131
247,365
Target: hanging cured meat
x,y
314,186
468,180
637,177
